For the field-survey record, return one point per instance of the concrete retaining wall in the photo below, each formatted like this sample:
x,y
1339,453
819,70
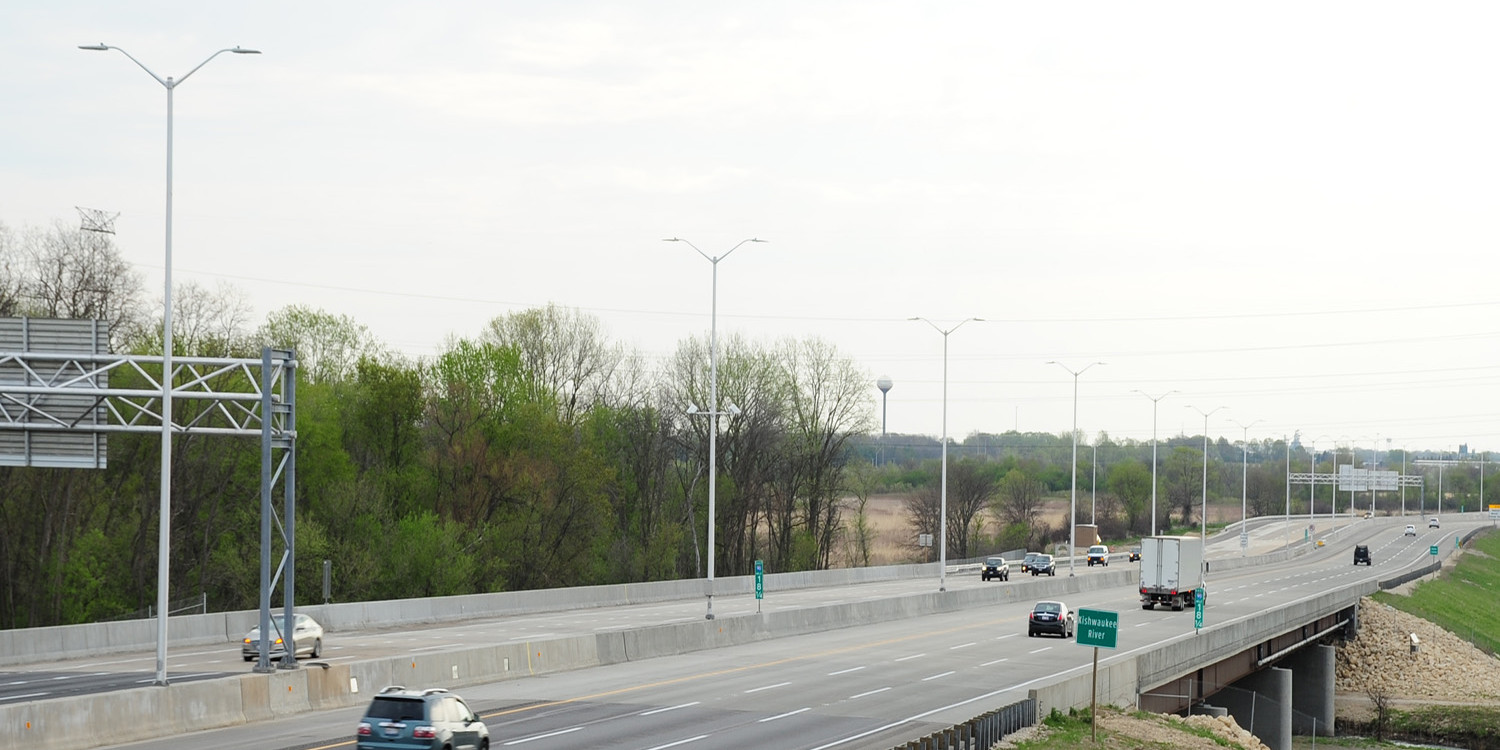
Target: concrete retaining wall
x,y
95,639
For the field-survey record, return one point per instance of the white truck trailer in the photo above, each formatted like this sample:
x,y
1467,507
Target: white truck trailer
x,y
1170,570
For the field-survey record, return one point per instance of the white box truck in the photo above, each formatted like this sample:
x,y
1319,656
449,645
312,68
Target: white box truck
x,y
1170,570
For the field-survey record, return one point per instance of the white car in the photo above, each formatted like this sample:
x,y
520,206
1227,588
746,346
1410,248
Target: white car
x,y
1411,530
1432,522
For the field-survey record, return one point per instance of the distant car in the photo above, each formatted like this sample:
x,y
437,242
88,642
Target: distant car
x,y
1411,530
1369,514
1043,564
1051,617
1361,554
1135,554
1432,523
1098,554
307,637
995,567
1028,560
401,719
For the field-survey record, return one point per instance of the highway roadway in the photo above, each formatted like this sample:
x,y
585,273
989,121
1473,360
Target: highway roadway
x,y
863,687
870,686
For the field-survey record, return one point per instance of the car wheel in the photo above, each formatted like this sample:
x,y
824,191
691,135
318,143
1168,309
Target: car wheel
x,y
249,658
317,648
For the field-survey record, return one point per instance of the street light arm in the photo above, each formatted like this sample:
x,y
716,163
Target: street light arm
x,y
706,256
737,246
945,333
1071,371
102,47
166,82
236,50
1154,399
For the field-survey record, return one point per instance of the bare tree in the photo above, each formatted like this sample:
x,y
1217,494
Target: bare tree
x,y
566,351
1018,497
970,489
827,401
860,480
210,322
75,274
12,283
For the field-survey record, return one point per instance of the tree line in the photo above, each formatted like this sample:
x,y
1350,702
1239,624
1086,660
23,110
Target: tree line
x,y
535,453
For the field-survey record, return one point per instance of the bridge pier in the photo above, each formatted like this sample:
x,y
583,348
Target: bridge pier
x,y
1312,684
1262,703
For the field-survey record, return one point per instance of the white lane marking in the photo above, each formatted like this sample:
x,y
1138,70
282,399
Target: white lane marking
x,y
783,716
989,663
668,708
1040,650
961,645
19,697
679,742
934,677
430,648
845,671
533,637
913,656
1009,635
199,674
1143,624
543,736
767,687
869,692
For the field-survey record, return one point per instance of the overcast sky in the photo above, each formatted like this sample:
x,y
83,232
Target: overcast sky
x,y
1285,209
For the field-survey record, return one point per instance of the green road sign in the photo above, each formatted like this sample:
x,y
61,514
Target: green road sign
x,y
760,580
1433,550
1097,627
1199,595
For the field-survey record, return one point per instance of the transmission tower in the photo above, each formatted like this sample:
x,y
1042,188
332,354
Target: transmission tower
x,y
95,220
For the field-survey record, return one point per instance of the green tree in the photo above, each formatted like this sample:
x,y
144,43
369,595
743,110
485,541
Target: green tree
x,y
1131,483
1182,480
328,346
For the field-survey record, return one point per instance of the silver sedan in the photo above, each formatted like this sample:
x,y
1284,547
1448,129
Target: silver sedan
x,y
307,635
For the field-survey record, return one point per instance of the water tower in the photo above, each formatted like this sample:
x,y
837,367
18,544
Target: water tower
x,y
884,384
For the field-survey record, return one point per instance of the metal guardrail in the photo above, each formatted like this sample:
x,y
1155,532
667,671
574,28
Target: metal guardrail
x,y
980,732
983,731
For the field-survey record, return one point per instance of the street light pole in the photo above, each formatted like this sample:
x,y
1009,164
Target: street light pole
x,y
713,406
164,530
1244,483
943,492
1203,516
1073,493
1094,485
1154,401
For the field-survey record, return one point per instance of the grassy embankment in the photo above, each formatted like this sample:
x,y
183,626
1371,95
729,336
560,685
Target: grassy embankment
x,y
1465,600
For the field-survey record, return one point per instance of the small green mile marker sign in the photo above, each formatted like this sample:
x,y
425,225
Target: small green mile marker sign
x,y
1097,627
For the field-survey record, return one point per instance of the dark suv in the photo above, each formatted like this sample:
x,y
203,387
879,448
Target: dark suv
x,y
1361,554
435,719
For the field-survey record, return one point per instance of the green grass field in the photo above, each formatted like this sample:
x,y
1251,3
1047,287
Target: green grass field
x,y
1464,600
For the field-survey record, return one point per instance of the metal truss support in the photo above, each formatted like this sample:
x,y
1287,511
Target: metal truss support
x,y
40,392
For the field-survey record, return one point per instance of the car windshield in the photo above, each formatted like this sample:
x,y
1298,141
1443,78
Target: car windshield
x,y
1051,607
1097,548
994,560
